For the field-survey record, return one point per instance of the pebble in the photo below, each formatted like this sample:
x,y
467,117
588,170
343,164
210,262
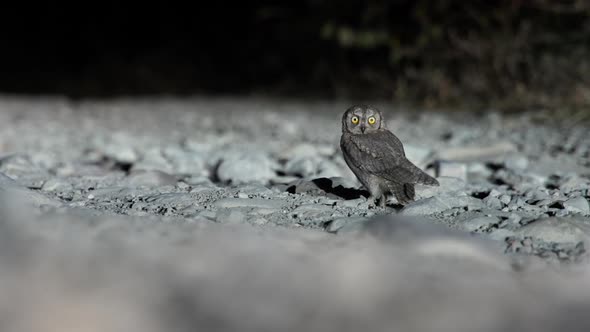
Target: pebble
x,y
447,185
346,224
451,169
516,162
514,219
246,167
153,178
500,234
493,202
300,151
476,153
303,166
570,229
122,153
494,193
184,162
307,211
418,155
505,199
439,204
351,203
577,205
477,170
573,183
153,160
264,211
227,203
57,184
230,216
480,224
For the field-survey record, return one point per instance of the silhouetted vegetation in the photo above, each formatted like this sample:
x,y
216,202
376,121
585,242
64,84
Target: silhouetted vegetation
x,y
507,54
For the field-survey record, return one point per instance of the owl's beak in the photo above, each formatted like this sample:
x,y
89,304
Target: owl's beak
x,y
363,127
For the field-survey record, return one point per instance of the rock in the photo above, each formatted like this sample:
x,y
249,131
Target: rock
x,y
477,170
198,181
304,150
517,162
185,162
226,203
569,230
230,216
311,211
573,183
494,193
544,202
14,195
441,203
207,214
577,205
539,195
284,180
254,189
150,178
121,153
177,201
346,224
57,184
258,221
500,234
547,166
477,153
514,219
181,185
451,169
345,182
303,166
505,199
264,211
447,185
417,155
493,202
153,160
329,169
480,224
306,160
246,167
352,203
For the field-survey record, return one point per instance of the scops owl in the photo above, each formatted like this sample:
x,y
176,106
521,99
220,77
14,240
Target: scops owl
x,y
377,158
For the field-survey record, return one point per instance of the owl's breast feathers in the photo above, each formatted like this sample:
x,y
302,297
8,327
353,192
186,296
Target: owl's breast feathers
x,y
381,153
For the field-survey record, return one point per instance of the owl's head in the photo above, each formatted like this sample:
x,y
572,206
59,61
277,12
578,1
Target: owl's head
x,y
362,119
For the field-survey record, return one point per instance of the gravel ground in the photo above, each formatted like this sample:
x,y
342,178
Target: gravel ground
x,y
240,214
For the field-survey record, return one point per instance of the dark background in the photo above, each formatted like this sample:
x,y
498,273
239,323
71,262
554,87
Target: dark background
x,y
500,54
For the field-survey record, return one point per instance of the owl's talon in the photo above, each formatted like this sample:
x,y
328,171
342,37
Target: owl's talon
x,y
371,202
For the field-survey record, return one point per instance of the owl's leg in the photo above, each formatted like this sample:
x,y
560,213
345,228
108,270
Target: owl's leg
x,y
372,201
382,200
377,197
377,201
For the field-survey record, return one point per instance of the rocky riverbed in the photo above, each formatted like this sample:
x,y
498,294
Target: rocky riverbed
x,y
240,214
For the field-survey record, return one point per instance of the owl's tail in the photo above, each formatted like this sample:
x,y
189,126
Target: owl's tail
x,y
404,193
426,179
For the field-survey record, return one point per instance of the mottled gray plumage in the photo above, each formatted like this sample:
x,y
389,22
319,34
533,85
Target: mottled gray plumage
x,y
377,158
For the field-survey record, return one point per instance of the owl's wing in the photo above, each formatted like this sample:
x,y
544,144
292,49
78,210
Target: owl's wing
x,y
382,154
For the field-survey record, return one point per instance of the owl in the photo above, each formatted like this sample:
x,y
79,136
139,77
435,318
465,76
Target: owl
x,y
377,158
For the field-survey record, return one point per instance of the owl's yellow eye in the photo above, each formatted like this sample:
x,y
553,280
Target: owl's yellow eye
x,y
372,120
354,120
